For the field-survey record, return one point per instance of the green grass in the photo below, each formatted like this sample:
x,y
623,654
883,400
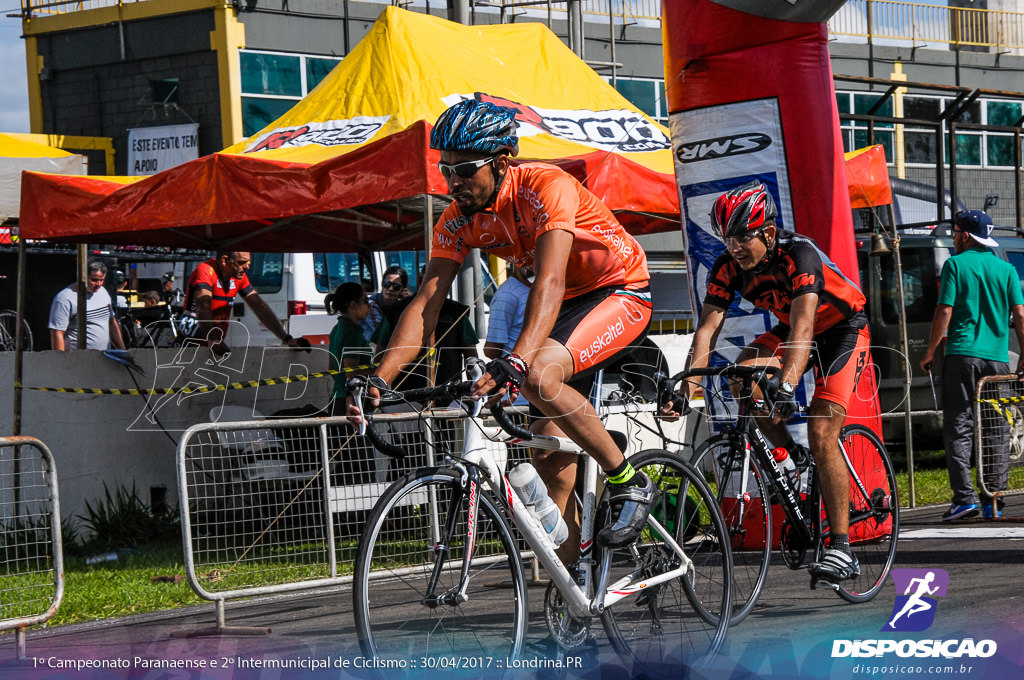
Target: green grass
x,y
931,487
125,586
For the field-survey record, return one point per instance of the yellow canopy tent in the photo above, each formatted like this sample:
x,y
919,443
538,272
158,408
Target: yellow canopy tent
x,y
16,155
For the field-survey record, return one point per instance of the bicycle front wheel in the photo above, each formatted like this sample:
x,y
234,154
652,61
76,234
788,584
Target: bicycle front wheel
x,y
874,512
409,599
747,514
680,623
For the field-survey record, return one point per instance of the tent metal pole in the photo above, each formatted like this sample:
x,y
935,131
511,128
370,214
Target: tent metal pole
x,y
576,28
83,311
905,350
18,348
428,233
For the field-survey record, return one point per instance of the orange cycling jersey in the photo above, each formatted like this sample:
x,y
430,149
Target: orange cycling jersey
x,y
536,198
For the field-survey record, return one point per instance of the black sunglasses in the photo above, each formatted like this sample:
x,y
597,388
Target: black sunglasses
x,y
393,285
463,170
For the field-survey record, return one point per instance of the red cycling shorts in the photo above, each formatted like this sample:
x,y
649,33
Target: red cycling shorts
x,y
839,356
596,326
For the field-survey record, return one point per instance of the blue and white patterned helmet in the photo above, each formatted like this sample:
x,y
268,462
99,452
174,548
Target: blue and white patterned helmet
x,y
473,125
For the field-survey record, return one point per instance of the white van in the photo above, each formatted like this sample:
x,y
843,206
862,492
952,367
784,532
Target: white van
x,y
294,286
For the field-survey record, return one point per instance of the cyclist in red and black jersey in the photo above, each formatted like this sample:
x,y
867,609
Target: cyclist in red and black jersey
x,y
822,324
212,288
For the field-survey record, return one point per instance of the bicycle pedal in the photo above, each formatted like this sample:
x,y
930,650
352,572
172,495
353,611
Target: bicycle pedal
x,y
818,579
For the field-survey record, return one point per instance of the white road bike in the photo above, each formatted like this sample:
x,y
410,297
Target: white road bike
x,y
439,576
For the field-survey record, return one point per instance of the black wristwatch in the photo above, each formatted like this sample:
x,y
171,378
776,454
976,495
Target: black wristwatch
x,y
786,387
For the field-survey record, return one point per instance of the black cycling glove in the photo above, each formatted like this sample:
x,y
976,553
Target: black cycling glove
x,y
784,402
509,372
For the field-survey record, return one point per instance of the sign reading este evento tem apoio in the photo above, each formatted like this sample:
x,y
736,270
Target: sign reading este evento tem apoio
x,y
154,149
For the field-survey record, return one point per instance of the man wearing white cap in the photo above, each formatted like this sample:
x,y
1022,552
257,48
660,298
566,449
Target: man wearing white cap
x,y
978,294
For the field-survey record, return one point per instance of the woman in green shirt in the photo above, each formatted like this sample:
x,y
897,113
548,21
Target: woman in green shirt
x,y
348,346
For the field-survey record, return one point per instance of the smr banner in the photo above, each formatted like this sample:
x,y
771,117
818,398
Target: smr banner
x,y
154,149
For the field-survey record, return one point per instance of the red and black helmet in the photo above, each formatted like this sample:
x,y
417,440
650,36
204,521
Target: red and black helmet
x,y
746,208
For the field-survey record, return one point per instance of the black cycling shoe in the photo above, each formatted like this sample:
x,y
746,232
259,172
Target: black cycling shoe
x,y
835,567
631,505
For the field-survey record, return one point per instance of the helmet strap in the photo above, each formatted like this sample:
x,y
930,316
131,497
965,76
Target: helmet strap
x,y
769,255
499,179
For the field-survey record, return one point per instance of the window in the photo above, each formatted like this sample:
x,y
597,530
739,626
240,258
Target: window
x,y
1003,113
646,94
999,150
259,113
271,74
920,285
979,148
642,93
410,261
883,137
1016,258
164,91
266,272
273,82
968,149
317,70
862,103
922,108
330,270
919,147
855,133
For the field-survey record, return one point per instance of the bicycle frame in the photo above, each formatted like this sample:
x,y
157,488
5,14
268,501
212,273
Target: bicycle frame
x,y
480,472
476,457
757,445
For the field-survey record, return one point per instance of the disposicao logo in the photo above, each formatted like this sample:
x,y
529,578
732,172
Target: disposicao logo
x,y
914,611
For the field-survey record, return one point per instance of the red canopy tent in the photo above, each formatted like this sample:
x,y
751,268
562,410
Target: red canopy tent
x,y
350,167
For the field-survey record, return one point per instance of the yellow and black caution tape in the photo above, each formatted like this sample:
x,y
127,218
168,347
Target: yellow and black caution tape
x,y
1004,412
197,389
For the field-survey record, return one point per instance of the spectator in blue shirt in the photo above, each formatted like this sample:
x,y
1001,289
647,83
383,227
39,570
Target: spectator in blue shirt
x,y
508,306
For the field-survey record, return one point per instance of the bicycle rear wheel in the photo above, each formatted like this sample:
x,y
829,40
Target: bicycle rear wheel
x,y
406,590
747,517
8,332
874,516
669,627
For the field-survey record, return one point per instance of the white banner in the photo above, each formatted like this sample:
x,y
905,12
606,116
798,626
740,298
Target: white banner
x,y
154,149
719,148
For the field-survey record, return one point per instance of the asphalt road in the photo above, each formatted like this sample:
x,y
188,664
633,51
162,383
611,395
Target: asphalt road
x,y
791,634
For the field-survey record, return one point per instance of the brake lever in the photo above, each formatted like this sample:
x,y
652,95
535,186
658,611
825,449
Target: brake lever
x,y
357,396
474,371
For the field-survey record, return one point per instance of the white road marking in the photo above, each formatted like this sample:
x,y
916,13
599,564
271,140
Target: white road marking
x,y
964,532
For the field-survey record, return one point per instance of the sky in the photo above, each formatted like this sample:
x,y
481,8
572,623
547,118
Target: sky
x,y
14,87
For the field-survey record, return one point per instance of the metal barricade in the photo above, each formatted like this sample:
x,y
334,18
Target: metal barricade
x,y
31,555
999,435
273,506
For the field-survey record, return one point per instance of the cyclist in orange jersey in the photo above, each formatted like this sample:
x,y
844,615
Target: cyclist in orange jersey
x,y
589,301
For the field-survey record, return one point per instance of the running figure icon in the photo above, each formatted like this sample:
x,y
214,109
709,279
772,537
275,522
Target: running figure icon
x,y
914,610
917,603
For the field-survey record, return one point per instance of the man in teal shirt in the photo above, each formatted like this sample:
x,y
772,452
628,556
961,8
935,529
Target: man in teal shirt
x,y
978,295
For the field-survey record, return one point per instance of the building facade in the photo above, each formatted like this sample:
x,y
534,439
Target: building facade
x,y
102,68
